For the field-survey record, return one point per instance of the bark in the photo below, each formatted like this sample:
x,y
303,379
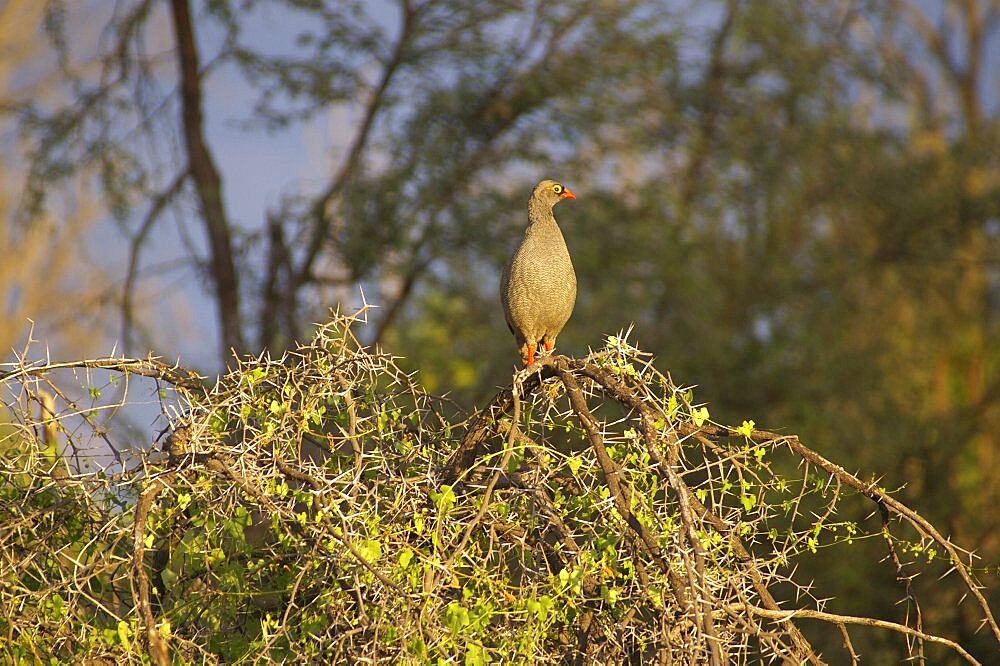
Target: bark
x,y
208,184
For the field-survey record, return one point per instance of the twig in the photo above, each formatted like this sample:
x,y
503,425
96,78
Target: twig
x,y
152,367
784,615
157,646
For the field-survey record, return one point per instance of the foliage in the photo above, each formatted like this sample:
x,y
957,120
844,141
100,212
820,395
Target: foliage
x,y
795,200
323,507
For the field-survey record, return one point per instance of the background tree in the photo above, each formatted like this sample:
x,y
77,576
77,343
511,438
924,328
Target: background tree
x,y
796,203
43,258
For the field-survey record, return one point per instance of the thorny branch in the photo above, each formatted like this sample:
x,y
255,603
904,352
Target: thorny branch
x,y
589,483
152,367
475,445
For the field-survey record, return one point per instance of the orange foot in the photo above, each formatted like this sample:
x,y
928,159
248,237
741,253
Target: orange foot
x,y
549,345
531,355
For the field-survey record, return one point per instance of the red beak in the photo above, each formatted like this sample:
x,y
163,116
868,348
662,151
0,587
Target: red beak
x,y
567,194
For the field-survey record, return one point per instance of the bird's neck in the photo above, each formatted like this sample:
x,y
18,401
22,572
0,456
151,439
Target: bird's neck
x,y
540,215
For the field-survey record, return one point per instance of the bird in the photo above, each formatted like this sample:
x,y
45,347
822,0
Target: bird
x,y
538,284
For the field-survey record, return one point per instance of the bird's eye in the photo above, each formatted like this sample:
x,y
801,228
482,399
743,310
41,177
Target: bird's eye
x,y
557,188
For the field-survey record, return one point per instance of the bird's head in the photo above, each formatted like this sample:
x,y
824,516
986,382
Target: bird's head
x,y
550,192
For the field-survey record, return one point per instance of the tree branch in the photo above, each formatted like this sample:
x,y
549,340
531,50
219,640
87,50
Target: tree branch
x,y
320,219
148,367
157,647
208,184
160,202
870,490
786,615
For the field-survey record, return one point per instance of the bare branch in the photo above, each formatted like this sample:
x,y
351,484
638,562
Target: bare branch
x,y
834,618
320,214
147,367
159,203
208,184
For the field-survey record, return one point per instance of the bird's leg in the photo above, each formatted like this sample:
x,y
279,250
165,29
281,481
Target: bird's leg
x,y
530,357
549,344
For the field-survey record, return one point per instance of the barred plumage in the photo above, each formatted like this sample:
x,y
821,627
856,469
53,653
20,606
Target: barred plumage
x,y
538,285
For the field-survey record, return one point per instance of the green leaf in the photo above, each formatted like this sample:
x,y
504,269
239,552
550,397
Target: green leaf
x,y
370,550
672,405
456,617
475,655
123,635
255,375
169,577
445,499
699,415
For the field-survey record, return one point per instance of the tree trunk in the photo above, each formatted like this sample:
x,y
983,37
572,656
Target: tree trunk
x,y
208,184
